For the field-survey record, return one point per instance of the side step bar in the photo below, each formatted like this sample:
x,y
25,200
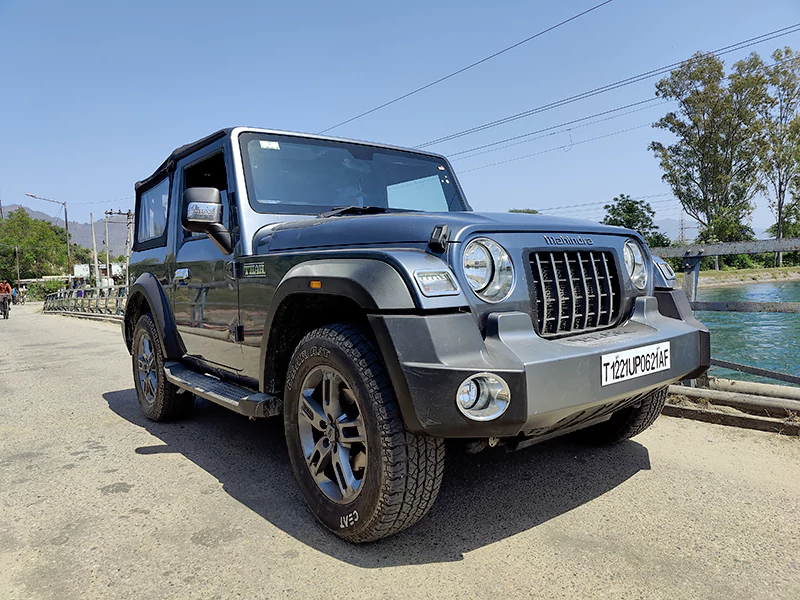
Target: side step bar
x,y
240,400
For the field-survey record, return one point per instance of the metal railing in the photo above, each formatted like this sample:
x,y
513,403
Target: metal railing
x,y
105,301
691,258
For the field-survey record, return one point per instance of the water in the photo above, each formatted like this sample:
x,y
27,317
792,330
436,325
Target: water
x,y
766,340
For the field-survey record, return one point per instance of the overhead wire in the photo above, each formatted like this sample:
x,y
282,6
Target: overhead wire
x,y
467,68
555,129
613,86
562,147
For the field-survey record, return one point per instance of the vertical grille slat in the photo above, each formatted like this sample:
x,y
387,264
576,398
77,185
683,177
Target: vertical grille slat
x,y
610,289
574,291
573,295
559,297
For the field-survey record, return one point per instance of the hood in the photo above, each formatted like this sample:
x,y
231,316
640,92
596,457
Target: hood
x,y
411,228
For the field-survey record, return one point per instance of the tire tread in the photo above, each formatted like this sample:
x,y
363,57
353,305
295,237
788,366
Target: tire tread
x,y
413,464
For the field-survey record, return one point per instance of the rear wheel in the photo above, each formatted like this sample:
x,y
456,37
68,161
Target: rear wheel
x,y
361,472
160,400
630,421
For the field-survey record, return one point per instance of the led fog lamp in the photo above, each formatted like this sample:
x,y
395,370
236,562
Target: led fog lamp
x,y
483,397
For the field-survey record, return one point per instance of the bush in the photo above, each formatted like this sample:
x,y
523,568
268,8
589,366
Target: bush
x,y
39,289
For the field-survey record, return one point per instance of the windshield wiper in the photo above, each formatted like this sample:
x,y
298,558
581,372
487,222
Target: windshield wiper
x,y
360,210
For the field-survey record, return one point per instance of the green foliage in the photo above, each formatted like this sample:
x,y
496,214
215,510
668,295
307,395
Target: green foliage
x,y
42,246
625,211
527,211
780,156
791,228
39,289
712,166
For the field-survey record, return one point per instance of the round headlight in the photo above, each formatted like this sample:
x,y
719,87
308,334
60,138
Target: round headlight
x,y
634,263
477,265
488,269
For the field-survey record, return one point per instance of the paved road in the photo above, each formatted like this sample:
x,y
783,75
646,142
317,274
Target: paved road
x,y
97,502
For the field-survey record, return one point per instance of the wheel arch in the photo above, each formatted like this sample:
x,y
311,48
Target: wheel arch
x,y
349,292
147,296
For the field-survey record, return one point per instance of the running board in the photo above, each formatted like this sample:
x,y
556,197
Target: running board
x,y
240,400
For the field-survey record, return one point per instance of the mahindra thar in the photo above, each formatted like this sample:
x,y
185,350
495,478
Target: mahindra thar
x,y
350,288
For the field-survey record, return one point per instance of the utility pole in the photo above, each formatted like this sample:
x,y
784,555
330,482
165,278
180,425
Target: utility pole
x,y
94,254
128,246
108,259
16,252
1,208
128,238
66,226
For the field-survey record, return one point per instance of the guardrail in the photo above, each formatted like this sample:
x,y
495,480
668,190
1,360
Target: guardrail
x,y
99,301
694,254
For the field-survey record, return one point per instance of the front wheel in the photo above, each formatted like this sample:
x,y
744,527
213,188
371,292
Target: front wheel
x,y
630,421
361,472
160,400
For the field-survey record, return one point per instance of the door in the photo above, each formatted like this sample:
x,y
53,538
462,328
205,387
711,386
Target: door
x,y
205,293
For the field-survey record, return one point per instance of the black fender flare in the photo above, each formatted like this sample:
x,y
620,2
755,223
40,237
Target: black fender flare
x,y
373,284
151,289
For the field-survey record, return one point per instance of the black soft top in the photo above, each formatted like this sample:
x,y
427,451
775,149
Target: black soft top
x,y
169,164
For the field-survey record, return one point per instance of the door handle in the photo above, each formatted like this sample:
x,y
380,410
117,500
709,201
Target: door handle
x,y
182,276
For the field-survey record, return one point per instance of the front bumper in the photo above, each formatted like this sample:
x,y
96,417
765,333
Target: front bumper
x,y
554,383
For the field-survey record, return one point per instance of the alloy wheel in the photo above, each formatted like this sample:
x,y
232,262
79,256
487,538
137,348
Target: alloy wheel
x,y
332,434
146,367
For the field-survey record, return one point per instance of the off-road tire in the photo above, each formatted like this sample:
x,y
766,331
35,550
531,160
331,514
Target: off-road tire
x,y
630,421
169,401
404,471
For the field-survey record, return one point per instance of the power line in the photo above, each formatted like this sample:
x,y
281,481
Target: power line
x,y
556,127
602,203
613,86
467,68
103,201
565,146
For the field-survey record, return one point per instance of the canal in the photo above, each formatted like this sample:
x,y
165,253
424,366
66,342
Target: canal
x,y
766,340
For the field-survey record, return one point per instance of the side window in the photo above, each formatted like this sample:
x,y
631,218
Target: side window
x,y
152,213
209,172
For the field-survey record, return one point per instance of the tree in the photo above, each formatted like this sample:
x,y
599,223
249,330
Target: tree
x,y
791,222
42,250
625,211
780,155
712,167
527,211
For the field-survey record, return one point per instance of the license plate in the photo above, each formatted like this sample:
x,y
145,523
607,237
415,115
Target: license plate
x,y
633,363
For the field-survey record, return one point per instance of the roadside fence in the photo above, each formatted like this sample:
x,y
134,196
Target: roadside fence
x,y
98,301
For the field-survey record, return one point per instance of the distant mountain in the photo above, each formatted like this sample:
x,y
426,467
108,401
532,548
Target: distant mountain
x,y
81,233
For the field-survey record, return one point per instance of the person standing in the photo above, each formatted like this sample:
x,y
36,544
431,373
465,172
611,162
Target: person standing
x,y
14,296
5,288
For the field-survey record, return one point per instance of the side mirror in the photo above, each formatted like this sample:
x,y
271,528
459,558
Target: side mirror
x,y
202,213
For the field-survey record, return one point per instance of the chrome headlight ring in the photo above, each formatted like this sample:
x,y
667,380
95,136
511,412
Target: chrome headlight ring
x,y
634,264
488,269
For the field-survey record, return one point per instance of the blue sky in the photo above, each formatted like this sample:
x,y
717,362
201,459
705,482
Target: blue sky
x,y
96,94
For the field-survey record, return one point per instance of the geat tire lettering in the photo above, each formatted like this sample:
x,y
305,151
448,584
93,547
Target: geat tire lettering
x,y
348,520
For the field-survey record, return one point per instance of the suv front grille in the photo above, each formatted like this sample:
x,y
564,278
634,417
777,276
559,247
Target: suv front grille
x,y
574,291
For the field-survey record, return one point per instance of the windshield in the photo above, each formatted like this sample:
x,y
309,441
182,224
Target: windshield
x,y
294,175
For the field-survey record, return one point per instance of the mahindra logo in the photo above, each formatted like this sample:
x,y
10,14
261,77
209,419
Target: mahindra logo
x,y
566,240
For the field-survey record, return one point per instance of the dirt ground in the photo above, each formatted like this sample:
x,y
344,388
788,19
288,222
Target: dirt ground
x,y
97,502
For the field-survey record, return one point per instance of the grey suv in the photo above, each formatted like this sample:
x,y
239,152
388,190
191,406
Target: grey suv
x,y
349,287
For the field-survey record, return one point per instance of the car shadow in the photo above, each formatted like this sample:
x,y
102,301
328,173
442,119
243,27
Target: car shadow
x,y
484,498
